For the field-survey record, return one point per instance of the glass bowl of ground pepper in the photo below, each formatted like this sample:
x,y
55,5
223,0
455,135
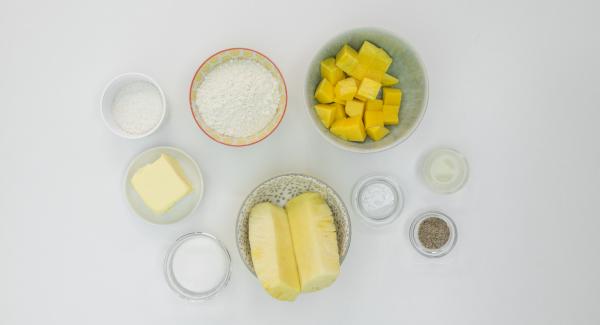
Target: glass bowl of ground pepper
x,y
433,234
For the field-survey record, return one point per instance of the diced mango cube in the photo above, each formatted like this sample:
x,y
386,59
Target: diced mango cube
x,y
326,113
381,61
374,74
368,89
340,112
350,129
390,114
359,72
355,108
392,96
388,80
345,90
330,71
367,53
374,105
376,133
324,93
374,57
373,118
347,59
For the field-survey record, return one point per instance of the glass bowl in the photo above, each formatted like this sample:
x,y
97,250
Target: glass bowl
x,y
414,234
180,289
368,207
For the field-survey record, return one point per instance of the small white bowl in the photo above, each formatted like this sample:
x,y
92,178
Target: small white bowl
x,y
108,95
181,209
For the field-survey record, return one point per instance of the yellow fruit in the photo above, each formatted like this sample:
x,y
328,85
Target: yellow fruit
x,y
330,71
347,59
324,93
345,89
314,240
390,114
355,108
392,96
376,133
359,72
374,105
373,118
326,113
374,74
340,112
350,129
381,61
368,89
388,80
373,57
272,251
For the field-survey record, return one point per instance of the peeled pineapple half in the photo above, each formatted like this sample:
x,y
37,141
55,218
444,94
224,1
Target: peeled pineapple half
x,y
315,241
272,251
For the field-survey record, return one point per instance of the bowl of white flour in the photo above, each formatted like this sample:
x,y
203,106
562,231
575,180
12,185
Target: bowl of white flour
x,y
238,97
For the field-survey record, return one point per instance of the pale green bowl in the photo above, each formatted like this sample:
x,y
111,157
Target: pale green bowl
x,y
407,67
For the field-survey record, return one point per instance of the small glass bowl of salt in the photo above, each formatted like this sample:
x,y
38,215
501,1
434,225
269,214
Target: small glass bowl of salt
x,y
197,266
133,105
378,199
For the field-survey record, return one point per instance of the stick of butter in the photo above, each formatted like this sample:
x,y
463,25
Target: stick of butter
x,y
161,184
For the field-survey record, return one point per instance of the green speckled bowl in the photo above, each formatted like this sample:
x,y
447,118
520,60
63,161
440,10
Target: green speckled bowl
x,y
407,67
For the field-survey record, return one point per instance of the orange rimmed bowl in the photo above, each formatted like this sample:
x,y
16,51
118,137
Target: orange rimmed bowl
x,y
221,57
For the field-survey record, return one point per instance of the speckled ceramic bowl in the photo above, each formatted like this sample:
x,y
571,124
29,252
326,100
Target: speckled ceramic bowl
x,y
224,56
406,66
279,190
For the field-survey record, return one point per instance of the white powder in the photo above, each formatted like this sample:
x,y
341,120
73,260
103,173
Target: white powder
x,y
137,107
238,98
199,264
377,199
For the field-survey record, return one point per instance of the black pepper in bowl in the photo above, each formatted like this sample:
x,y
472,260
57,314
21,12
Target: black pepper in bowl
x,y
433,233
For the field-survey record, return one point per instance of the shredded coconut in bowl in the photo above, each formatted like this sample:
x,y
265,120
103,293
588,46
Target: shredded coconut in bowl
x,y
238,98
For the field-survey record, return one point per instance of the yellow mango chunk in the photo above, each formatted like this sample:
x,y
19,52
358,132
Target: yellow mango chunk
x,y
326,113
376,133
374,105
382,61
390,114
324,93
392,96
340,112
272,251
373,118
330,71
355,108
359,72
368,89
345,89
388,80
350,129
347,59
373,57
315,241
374,74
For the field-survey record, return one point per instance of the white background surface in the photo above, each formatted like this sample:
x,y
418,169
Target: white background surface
x,y
513,85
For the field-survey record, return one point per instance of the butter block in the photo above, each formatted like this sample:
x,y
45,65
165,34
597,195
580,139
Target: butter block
x,y
161,184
